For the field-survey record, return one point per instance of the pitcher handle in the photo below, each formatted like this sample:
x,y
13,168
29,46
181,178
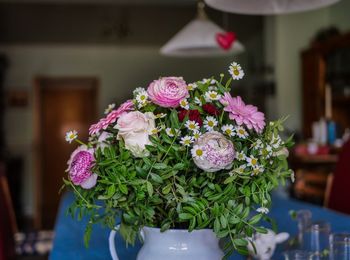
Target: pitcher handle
x,y
111,240
112,249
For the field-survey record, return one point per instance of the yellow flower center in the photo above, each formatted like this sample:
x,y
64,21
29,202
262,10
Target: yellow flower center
x,y
143,97
241,131
254,161
187,142
212,95
199,152
192,126
211,123
228,131
235,71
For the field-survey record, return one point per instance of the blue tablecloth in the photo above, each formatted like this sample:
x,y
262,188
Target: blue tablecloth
x,y
69,244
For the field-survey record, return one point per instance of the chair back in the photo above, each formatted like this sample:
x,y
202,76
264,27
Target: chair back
x,y
7,219
340,187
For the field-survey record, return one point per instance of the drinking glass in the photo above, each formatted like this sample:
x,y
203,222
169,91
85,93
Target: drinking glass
x,y
303,217
339,246
316,239
297,255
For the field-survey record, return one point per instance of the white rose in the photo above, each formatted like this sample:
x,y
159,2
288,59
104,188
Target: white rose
x,y
134,128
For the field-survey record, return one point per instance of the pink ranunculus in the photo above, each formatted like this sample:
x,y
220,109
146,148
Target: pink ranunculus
x,y
219,152
111,117
167,91
79,167
247,115
134,128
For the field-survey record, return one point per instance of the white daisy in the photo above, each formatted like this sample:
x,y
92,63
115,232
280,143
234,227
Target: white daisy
x,y
192,125
236,71
109,109
258,169
211,95
192,86
240,156
71,135
172,132
276,141
228,129
141,98
184,104
138,90
212,88
154,131
209,123
198,152
263,210
160,115
206,81
292,176
266,151
196,134
257,144
198,101
186,140
252,161
241,132
239,170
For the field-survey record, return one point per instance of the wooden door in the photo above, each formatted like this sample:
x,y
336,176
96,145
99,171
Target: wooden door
x,y
62,104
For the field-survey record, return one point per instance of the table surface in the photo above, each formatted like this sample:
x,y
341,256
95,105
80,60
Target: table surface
x,y
68,243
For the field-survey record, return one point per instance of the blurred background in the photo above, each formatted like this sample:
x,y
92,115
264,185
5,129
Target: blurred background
x,y
63,61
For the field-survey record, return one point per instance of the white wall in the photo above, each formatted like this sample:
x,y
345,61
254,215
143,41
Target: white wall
x,y
119,69
291,34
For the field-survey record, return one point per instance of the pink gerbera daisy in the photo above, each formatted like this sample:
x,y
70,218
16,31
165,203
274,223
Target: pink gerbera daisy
x,y
247,115
111,117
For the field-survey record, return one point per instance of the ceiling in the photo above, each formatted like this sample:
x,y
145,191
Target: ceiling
x,y
117,2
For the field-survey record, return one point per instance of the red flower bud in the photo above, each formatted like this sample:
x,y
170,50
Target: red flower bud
x,y
193,115
210,109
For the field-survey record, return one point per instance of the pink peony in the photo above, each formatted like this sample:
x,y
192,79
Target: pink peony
x,y
167,91
111,117
219,152
242,113
79,167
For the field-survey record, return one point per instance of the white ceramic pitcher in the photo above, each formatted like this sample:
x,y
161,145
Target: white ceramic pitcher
x,y
175,244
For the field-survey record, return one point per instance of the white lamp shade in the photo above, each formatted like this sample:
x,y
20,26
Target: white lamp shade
x,y
198,39
267,7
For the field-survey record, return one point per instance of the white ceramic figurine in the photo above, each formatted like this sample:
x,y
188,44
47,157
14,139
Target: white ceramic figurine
x,y
265,244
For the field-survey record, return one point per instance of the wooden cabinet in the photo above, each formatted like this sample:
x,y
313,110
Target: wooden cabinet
x,y
327,62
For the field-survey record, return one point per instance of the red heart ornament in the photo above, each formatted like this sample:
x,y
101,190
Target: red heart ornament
x,y
225,40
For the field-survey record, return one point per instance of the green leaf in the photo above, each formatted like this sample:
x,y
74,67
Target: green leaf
x,y
166,189
160,166
123,188
255,219
156,178
149,188
240,242
223,221
185,216
216,225
174,119
261,230
110,191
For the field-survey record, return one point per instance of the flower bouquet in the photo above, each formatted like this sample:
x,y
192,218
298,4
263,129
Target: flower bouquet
x,y
180,156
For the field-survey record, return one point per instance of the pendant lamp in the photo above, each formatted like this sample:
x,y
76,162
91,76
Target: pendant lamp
x,y
202,38
267,7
